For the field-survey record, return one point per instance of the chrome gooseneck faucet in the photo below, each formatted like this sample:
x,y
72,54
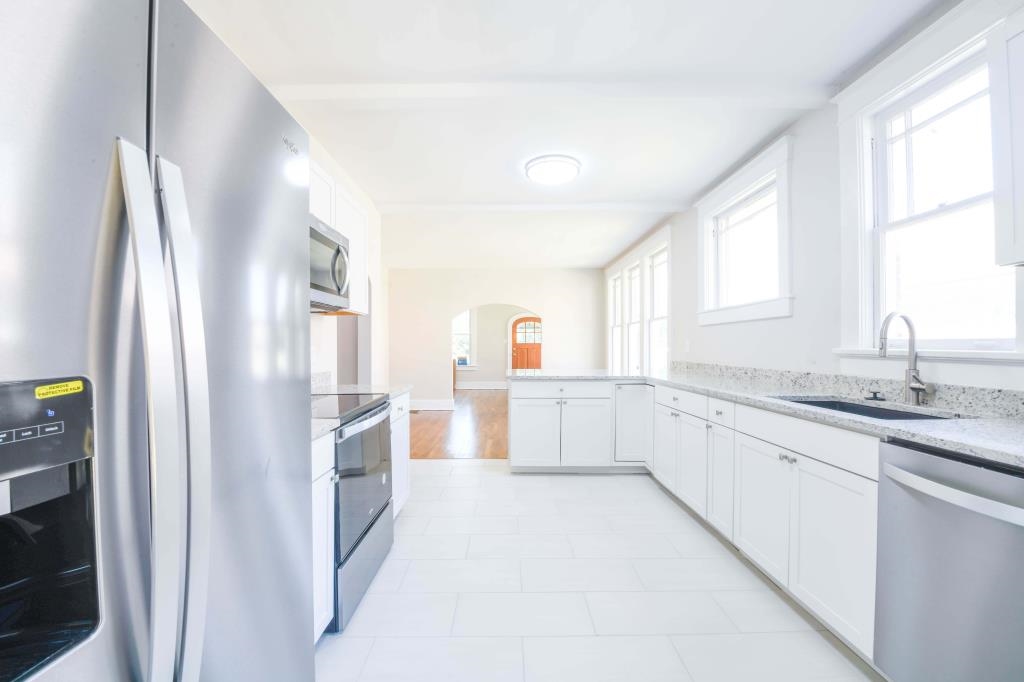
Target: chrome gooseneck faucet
x,y
913,386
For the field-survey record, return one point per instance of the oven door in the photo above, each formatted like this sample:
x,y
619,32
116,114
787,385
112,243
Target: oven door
x,y
363,461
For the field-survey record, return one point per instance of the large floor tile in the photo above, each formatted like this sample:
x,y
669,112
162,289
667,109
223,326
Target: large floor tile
x,y
659,523
521,546
602,659
522,614
473,525
430,547
506,493
766,657
563,524
713,573
340,658
516,507
579,575
698,545
411,525
764,611
438,508
444,659
403,615
622,545
390,575
657,613
462,575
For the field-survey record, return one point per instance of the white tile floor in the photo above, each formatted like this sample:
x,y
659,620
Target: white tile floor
x,y
538,578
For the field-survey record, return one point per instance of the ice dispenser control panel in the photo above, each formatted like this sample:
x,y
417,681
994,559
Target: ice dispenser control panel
x,y
44,423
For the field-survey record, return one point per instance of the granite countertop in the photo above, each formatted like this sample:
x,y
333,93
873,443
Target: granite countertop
x,y
994,439
322,427
353,389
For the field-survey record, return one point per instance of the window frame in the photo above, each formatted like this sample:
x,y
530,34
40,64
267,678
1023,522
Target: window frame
x,y
472,338
930,84
650,317
615,320
770,167
633,318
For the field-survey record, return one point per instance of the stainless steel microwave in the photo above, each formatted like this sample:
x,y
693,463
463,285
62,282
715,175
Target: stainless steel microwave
x,y
328,268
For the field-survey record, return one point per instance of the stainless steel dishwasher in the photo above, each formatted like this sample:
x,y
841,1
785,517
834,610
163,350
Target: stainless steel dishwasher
x,y
950,593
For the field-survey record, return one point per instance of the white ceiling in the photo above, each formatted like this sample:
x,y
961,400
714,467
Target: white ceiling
x,y
433,106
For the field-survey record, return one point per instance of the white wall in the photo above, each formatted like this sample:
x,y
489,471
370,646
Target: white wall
x,y
423,302
803,342
492,347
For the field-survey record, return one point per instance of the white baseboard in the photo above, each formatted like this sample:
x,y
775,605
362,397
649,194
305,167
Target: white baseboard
x,y
429,405
482,385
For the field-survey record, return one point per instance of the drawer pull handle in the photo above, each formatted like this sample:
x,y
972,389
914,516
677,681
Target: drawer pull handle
x,y
718,413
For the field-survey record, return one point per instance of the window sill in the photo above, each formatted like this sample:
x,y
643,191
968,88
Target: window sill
x,y
466,368
761,310
996,357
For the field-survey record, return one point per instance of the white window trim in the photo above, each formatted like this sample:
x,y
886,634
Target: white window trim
x,y
611,326
649,317
954,38
772,161
472,341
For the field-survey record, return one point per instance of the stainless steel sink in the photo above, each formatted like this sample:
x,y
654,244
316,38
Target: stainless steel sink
x,y
863,410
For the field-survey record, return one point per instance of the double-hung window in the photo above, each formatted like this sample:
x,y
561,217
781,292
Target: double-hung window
x,y
634,312
934,227
657,319
462,338
744,242
615,323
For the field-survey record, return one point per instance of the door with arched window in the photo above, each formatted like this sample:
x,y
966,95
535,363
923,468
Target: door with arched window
x,y
527,337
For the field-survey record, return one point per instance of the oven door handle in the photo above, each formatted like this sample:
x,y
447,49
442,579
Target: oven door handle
x,y
365,424
955,496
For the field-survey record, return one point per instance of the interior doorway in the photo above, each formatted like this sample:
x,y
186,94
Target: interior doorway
x,y
526,338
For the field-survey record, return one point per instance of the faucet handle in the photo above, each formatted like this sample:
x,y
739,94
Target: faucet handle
x,y
875,395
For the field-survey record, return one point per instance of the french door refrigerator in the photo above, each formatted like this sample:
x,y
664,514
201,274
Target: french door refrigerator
x,y
154,363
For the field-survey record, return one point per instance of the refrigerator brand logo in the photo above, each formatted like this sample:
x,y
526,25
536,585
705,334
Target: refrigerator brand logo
x,y
54,390
291,145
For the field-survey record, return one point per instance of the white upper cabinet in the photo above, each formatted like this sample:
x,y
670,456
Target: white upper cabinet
x,y
331,203
1007,92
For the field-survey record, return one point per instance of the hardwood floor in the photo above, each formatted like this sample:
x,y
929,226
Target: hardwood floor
x,y
476,429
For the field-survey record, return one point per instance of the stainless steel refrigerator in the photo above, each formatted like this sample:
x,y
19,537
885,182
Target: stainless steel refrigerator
x,y
154,259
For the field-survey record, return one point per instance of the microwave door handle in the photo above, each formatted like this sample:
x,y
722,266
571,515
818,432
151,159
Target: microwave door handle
x,y
343,288
346,432
192,332
334,268
161,409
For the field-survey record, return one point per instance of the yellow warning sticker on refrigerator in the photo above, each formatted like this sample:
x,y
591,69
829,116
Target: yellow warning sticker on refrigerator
x,y
63,388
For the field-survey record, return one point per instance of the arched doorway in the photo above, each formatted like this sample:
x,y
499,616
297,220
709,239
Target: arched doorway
x,y
527,337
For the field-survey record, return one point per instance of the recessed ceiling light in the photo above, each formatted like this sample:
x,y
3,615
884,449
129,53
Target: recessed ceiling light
x,y
552,169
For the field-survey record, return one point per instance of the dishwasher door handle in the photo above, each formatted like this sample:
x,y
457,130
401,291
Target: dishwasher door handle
x,y
960,498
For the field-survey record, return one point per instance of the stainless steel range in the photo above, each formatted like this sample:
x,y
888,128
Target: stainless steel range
x,y
364,521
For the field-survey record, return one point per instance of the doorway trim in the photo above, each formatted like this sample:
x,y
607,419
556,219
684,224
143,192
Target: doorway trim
x,y
508,337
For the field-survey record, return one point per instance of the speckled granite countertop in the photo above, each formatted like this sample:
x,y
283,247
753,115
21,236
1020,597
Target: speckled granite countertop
x,y
322,427
996,439
354,389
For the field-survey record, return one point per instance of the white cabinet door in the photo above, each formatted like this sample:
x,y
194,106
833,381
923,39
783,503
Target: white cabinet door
x,y
761,509
832,548
1006,71
535,432
321,194
692,456
587,432
351,221
721,441
665,466
400,474
634,422
323,553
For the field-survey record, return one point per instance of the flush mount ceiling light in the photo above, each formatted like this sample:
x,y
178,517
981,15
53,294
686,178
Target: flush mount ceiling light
x,y
552,169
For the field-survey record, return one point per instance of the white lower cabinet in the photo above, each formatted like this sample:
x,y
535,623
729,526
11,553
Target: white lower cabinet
x,y
692,458
323,534
400,473
586,432
721,443
833,537
633,423
762,505
664,462
535,432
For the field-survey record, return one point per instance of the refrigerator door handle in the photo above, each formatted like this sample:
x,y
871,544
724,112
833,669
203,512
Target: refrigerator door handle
x,y
161,409
178,230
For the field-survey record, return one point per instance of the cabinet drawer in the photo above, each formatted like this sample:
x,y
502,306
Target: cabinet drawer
x,y
323,454
684,401
399,407
560,389
722,412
